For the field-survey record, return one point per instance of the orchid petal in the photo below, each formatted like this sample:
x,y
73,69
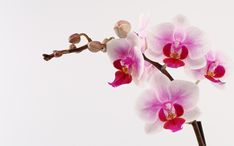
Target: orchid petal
x,y
219,71
138,64
148,106
153,128
195,63
175,124
173,63
184,93
195,42
160,36
191,115
118,48
160,84
121,78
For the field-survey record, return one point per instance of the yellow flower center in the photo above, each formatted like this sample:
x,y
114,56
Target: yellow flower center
x,y
175,55
125,69
211,74
171,116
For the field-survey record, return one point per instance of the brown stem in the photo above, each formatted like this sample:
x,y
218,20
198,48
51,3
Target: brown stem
x,y
159,67
59,53
198,132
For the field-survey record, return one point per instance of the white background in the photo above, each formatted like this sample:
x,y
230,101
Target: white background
x,y
67,101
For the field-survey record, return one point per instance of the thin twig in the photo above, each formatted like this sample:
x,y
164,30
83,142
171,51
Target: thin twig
x,y
59,53
159,67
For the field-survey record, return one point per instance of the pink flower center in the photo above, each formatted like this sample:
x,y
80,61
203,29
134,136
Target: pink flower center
x,y
175,50
123,75
170,114
175,53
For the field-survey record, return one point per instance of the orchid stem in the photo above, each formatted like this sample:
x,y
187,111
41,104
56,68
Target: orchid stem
x,y
160,67
198,130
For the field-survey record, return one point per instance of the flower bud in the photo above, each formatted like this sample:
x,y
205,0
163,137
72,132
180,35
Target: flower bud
x,y
95,46
122,28
74,39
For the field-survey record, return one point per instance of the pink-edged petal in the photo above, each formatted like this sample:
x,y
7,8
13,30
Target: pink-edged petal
x,y
160,84
191,115
184,93
160,36
179,110
149,71
197,74
138,63
143,24
219,71
167,50
214,80
121,78
173,63
154,56
133,40
195,63
175,124
153,128
195,42
148,106
118,48
184,53
117,64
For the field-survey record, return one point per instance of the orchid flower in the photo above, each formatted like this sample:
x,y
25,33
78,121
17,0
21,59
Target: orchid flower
x,y
215,69
126,56
168,104
177,44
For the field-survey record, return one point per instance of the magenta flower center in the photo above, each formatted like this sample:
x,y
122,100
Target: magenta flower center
x,y
171,114
175,52
215,70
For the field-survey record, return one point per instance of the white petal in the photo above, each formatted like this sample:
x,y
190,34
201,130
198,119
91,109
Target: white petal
x,y
133,39
160,83
153,128
154,56
184,93
197,74
195,42
192,115
138,68
195,63
118,48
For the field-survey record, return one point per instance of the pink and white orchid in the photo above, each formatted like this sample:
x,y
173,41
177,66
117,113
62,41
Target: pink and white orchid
x,y
168,104
126,56
215,68
177,44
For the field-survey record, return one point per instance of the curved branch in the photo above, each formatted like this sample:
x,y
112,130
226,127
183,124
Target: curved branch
x,y
59,53
159,67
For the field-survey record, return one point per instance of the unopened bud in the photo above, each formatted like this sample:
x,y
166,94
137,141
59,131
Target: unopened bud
x,y
95,46
74,39
122,28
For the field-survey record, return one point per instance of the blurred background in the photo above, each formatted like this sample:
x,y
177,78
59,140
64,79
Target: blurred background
x,y
67,101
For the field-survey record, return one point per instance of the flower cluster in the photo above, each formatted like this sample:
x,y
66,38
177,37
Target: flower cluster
x,y
142,56
167,104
